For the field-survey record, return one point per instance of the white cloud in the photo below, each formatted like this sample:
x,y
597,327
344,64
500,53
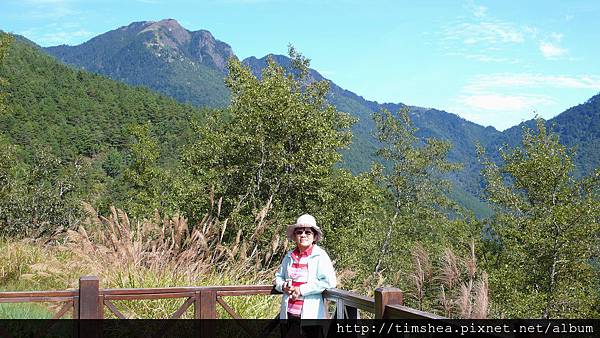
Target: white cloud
x,y
531,31
483,57
479,11
65,34
485,83
557,36
552,51
484,32
62,37
475,36
488,58
45,2
505,99
503,103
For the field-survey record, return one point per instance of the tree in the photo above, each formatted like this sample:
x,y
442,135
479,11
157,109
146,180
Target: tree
x,y
5,41
38,196
545,231
277,141
149,185
417,190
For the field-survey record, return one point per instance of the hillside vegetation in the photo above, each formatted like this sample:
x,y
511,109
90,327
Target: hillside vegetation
x,y
190,66
205,190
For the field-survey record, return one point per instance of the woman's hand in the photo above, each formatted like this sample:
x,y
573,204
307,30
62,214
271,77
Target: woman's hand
x,y
295,292
287,287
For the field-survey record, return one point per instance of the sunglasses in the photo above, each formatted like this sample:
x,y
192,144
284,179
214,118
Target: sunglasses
x,y
300,232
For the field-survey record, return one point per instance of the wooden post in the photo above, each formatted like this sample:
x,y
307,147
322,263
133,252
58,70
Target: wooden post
x,y
89,298
205,309
89,307
384,297
208,305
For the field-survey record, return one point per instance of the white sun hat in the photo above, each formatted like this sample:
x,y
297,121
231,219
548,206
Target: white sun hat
x,y
304,221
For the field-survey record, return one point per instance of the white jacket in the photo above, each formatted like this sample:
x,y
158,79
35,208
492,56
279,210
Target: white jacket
x,y
321,276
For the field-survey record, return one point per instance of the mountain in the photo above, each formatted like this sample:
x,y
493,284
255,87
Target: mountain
x,y
162,56
190,67
577,127
431,122
75,114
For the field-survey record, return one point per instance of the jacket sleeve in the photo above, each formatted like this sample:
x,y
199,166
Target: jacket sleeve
x,y
325,278
281,274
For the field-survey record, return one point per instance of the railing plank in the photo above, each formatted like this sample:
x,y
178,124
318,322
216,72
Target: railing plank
x,y
24,294
384,297
183,307
63,310
89,296
90,306
35,299
208,310
208,305
351,299
114,309
225,290
404,312
89,300
148,296
76,308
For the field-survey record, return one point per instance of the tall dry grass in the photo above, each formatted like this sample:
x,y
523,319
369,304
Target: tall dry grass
x,y
455,288
167,251
423,272
155,252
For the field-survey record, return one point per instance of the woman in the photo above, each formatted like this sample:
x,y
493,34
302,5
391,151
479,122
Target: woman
x,y
304,273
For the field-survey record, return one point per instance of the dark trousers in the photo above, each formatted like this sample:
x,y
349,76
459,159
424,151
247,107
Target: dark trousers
x,y
292,328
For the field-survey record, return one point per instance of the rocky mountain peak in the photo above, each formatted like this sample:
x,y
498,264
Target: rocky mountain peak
x,y
168,33
170,41
205,48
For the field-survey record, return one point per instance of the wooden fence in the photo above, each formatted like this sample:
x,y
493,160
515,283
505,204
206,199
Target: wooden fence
x,y
91,302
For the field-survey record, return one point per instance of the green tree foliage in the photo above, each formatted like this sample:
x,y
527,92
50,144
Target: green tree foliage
x,y
278,141
149,186
5,41
420,207
79,117
275,152
80,114
37,193
37,196
545,233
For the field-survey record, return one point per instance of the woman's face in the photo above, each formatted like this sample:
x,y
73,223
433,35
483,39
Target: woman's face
x,y
303,237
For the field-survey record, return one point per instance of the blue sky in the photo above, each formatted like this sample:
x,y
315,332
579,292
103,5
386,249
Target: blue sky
x,y
492,62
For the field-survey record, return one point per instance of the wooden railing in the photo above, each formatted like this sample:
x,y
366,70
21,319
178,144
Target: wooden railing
x,y
91,302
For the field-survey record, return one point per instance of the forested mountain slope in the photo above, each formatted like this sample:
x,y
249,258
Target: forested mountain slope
x,y
578,127
76,113
190,67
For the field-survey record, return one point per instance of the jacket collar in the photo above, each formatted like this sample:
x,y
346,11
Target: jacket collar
x,y
316,251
